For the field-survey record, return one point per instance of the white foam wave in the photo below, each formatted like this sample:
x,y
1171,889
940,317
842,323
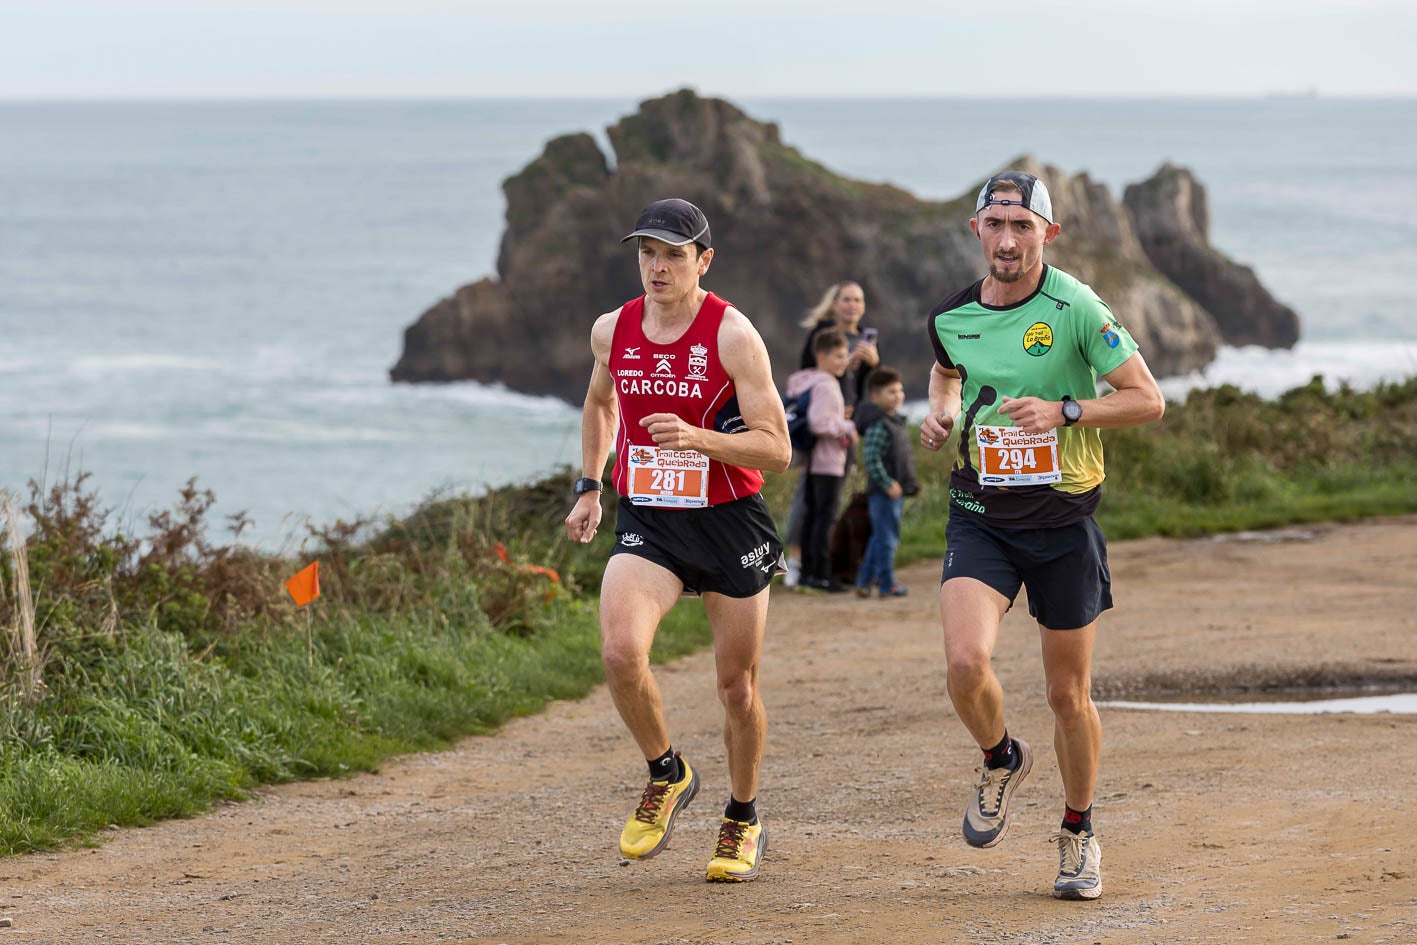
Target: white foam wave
x,y
265,363
430,401
274,362
98,366
122,430
303,431
1270,372
495,396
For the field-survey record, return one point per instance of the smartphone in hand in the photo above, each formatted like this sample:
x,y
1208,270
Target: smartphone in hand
x,y
869,335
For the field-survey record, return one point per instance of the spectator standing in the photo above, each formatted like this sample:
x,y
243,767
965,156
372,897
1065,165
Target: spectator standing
x,y
842,307
826,466
890,477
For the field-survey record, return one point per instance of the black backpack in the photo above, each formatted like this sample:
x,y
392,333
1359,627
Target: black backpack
x,y
798,430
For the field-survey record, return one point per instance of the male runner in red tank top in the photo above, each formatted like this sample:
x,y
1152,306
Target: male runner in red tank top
x,y
688,377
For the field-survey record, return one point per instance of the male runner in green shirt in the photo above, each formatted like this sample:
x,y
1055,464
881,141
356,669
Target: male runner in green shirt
x,y
1017,359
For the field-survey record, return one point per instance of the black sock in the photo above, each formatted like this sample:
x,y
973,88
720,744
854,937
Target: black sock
x,y
1002,755
1078,821
666,767
742,811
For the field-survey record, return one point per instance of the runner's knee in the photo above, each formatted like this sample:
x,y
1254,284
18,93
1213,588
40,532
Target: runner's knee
x,y
623,660
1069,699
738,694
968,668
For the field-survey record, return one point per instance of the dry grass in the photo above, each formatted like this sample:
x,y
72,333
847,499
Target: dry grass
x,y
24,664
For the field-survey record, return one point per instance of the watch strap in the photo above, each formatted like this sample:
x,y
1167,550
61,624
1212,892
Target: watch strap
x,y
587,484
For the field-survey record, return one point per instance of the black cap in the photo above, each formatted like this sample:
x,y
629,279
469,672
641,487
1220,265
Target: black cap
x,y
675,221
1034,194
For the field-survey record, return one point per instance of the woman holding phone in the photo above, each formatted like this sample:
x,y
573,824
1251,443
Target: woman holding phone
x,y
842,306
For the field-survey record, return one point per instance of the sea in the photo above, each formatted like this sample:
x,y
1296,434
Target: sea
x,y
218,289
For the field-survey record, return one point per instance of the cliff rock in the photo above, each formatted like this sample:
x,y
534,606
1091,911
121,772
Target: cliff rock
x,y
1172,219
784,228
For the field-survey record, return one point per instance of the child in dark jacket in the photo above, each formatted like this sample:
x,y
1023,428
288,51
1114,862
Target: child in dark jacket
x,y
890,477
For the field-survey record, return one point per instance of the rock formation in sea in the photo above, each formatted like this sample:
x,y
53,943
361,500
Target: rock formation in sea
x,y
1171,216
785,227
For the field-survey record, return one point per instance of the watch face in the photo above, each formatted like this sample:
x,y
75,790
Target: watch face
x,y
1072,411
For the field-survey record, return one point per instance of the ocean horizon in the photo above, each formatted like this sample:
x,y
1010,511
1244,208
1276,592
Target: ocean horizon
x,y
217,288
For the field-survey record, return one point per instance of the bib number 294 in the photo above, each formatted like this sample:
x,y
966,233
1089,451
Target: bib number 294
x,y
1010,457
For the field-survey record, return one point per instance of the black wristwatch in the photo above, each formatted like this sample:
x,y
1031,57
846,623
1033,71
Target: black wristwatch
x,y
1072,411
587,484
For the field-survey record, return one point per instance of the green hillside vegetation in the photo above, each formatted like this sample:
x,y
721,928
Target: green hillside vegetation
x,y
151,675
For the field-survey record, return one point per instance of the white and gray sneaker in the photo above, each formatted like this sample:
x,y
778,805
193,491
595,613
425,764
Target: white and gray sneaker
x,y
986,819
1079,865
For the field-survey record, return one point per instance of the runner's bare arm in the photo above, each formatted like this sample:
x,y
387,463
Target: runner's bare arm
x,y
1134,400
764,444
598,418
944,404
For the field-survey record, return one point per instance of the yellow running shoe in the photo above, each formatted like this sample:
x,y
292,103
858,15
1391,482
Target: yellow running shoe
x,y
739,852
648,829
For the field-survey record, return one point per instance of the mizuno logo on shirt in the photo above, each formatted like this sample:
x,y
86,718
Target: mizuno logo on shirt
x,y
973,337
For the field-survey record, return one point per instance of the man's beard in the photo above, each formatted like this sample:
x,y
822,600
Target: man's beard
x,y
1007,275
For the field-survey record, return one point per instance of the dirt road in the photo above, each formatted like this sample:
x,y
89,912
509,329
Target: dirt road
x,y
1215,828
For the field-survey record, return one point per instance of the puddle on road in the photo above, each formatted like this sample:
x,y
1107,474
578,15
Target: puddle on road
x,y
1397,703
1267,537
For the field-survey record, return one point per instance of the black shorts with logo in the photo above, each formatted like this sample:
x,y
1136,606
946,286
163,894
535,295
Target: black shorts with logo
x,y
1064,568
731,549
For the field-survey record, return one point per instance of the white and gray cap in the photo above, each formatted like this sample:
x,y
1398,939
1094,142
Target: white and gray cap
x,y
675,221
1033,194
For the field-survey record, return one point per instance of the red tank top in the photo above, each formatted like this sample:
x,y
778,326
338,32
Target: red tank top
x,y
685,378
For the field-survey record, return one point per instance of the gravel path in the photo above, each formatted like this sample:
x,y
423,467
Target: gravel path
x,y
1215,828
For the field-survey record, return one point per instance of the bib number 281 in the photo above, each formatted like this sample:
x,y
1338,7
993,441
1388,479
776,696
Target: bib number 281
x,y
664,478
667,480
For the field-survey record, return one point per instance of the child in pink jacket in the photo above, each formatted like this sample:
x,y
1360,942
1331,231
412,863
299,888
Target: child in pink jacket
x,y
826,415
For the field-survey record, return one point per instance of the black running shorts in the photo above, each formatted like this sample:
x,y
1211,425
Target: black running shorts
x,y
1064,568
731,549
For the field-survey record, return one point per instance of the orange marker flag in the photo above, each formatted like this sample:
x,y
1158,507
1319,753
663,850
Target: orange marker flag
x,y
304,586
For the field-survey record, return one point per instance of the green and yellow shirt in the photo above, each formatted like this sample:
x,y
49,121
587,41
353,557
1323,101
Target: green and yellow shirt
x,y
1053,344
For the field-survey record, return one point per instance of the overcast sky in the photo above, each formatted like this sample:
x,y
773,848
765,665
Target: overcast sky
x,y
826,48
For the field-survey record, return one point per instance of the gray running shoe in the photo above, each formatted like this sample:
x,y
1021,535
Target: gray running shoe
x,y
986,819
1079,865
